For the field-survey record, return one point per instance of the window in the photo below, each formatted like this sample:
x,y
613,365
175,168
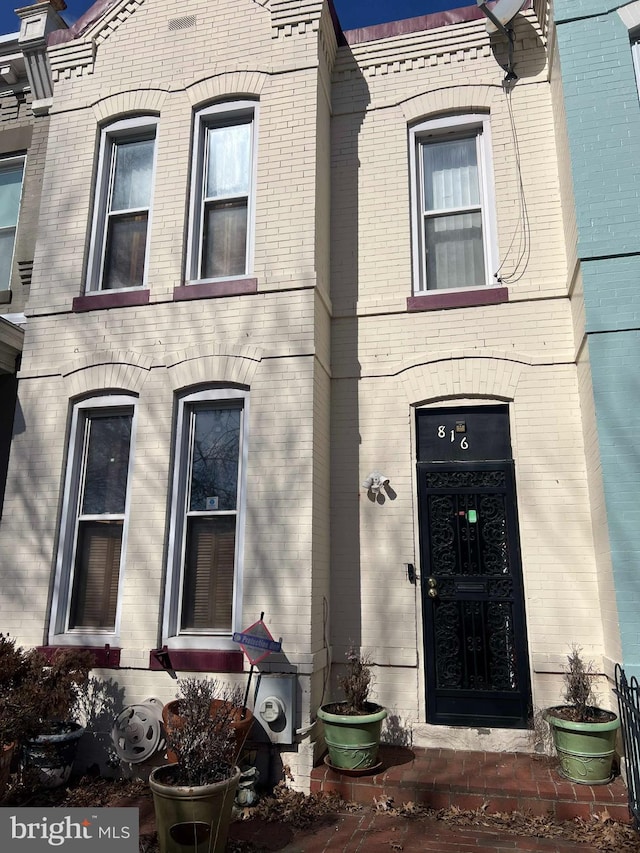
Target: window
x,y
123,204
453,222
206,520
94,525
222,190
11,171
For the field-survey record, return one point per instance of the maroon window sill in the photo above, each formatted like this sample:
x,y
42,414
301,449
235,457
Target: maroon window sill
x,y
213,289
105,657
463,299
121,299
195,660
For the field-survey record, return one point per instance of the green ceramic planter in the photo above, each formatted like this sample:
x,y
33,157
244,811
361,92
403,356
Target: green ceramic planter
x,y
585,750
192,820
352,741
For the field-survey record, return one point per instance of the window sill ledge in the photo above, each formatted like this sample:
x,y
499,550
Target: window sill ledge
x,y
106,657
213,289
463,299
195,660
121,299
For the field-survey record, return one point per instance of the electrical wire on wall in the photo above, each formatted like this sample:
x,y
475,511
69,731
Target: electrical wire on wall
x,y
327,673
522,231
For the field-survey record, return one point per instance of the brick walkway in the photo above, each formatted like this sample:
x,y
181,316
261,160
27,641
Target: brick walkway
x,y
380,833
495,782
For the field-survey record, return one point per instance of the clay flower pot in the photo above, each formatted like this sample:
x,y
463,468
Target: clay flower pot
x,y
241,726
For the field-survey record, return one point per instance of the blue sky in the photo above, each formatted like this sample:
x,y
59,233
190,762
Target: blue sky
x,y
352,13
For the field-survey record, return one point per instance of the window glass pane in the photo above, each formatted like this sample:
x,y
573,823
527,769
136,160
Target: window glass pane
x,y
107,465
10,189
209,571
214,470
228,161
6,254
132,178
225,239
451,174
455,253
97,568
125,251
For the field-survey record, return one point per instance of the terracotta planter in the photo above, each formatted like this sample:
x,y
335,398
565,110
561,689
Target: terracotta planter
x,y
585,750
6,755
352,741
192,820
241,727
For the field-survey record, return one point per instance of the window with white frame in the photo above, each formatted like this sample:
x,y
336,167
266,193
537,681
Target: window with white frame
x,y
11,173
94,521
122,210
453,209
222,192
205,541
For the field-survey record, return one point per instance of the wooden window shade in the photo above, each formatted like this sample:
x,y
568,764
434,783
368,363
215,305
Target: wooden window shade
x,y
96,574
209,573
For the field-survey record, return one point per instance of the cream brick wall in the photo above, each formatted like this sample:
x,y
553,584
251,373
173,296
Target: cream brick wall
x,y
335,363
149,57
386,362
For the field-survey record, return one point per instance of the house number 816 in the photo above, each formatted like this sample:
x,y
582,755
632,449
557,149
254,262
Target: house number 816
x,y
442,433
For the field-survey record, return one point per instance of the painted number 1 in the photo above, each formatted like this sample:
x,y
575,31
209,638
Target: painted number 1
x,y
442,433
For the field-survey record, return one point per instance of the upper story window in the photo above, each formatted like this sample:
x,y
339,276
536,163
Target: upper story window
x,y
220,243
453,210
11,173
94,519
205,539
123,204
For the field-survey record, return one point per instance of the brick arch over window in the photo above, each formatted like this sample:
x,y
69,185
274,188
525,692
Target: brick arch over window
x,y
471,376
461,99
127,371
236,84
140,102
227,364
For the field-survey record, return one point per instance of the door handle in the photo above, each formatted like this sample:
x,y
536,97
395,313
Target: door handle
x,y
432,583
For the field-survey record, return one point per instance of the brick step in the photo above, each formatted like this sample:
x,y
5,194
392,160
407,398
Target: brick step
x,y
496,782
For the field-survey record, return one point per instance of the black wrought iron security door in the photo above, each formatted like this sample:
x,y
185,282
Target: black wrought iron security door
x,y
475,639
476,660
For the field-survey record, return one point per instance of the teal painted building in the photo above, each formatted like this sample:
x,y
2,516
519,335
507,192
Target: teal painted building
x,y
594,55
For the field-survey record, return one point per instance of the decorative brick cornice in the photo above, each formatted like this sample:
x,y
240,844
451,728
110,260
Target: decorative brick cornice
x,y
72,52
295,17
415,51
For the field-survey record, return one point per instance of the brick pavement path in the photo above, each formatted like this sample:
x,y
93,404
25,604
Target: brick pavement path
x,y
381,833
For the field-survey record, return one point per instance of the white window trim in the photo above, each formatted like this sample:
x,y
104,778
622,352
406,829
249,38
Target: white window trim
x,y
210,115
635,52
438,129
8,163
124,129
59,633
177,539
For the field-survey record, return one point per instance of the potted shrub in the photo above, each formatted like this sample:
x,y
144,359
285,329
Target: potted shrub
x,y
193,797
584,735
49,697
352,726
226,707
